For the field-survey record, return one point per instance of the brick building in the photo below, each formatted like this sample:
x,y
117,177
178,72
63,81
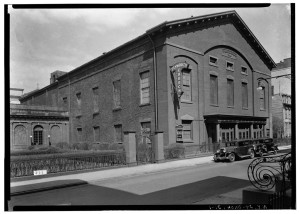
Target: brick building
x,y
194,79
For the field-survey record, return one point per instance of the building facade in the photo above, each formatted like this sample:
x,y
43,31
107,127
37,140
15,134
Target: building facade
x,y
15,95
281,99
37,125
194,79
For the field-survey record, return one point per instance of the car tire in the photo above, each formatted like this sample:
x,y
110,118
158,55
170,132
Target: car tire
x,y
260,154
275,152
252,154
231,157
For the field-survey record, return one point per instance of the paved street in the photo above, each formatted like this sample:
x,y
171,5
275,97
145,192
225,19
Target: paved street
x,y
180,186
207,183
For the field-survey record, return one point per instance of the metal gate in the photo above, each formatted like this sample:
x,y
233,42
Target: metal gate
x,y
144,149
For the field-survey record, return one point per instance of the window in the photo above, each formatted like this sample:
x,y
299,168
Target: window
x,y
38,135
229,66
117,93
213,60
145,87
213,90
244,70
118,133
187,130
78,96
244,95
262,99
230,92
146,131
96,99
96,134
186,85
65,101
79,134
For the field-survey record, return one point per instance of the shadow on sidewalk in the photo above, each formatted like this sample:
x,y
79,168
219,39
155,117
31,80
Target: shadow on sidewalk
x,y
100,197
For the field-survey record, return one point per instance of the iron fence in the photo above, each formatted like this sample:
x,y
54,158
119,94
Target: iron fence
x,y
279,200
20,168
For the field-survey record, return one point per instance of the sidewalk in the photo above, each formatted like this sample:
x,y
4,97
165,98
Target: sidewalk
x,y
54,182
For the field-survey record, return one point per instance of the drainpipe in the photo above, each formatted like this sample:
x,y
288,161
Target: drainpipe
x,y
155,84
70,119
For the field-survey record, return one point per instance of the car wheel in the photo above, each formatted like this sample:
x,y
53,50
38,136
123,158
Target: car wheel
x,y
261,153
275,151
231,157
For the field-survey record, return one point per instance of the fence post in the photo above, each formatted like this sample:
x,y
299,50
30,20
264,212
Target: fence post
x,y
159,146
130,147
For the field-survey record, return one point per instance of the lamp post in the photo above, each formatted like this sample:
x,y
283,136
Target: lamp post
x,y
30,139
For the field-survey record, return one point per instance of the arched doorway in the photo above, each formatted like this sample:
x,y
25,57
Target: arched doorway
x,y
38,135
55,134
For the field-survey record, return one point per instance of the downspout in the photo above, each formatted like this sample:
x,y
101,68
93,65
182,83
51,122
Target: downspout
x,y
155,85
70,123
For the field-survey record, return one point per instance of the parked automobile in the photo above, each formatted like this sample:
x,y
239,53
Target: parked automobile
x,y
259,148
235,149
270,146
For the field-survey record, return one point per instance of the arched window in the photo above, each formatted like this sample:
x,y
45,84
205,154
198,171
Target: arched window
x,y
38,135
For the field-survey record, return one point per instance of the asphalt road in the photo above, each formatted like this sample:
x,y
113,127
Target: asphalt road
x,y
179,186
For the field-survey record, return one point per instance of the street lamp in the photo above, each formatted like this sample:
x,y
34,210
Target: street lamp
x,y
31,139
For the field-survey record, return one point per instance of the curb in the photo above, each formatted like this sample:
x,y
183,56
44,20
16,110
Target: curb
x,y
41,189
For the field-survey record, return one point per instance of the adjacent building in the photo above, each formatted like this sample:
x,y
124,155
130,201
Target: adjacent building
x,y
281,99
15,95
37,125
199,80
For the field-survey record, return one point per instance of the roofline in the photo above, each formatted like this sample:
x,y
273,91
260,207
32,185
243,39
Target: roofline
x,y
24,96
158,28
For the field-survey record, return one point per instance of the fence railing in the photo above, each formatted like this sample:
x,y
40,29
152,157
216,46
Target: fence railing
x,y
265,172
19,168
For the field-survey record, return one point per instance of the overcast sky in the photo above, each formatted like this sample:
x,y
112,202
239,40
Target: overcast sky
x,y
42,41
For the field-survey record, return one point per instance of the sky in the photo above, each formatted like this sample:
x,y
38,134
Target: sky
x,y
45,40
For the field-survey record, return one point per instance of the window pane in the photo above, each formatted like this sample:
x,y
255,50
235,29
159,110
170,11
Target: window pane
x,y
230,91
213,90
118,133
244,95
187,130
145,87
117,93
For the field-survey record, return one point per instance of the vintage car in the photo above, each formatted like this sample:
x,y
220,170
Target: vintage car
x,y
259,148
270,147
235,149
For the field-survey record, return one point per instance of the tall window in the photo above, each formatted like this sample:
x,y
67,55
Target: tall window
x,y
118,133
186,85
78,96
79,134
117,93
96,133
145,87
187,130
230,92
96,99
213,90
244,95
38,135
262,100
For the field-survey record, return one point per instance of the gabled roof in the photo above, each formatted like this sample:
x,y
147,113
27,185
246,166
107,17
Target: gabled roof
x,y
198,20
230,15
